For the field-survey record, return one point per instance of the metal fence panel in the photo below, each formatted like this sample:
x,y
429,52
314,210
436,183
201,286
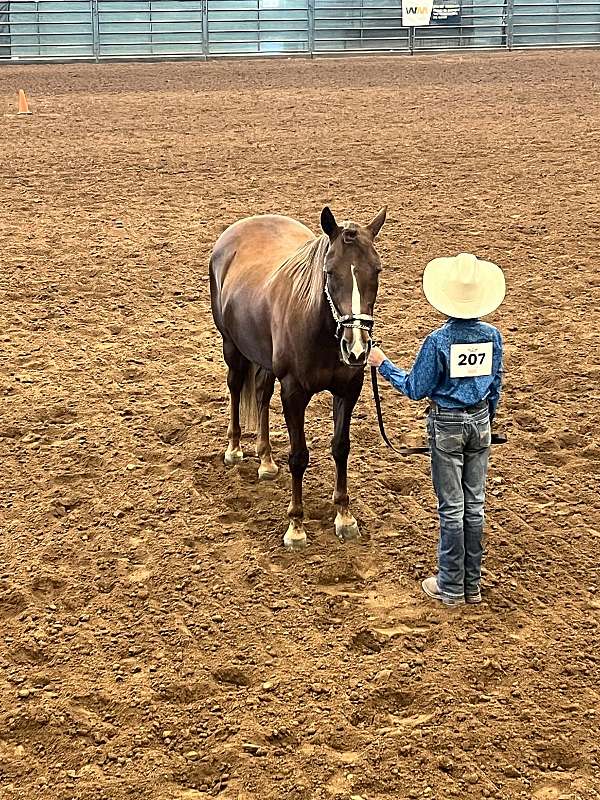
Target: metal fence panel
x,y
479,24
50,29
259,27
134,28
4,31
556,24
42,30
359,26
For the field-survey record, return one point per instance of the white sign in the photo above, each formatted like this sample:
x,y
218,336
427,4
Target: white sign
x,y
416,14
471,360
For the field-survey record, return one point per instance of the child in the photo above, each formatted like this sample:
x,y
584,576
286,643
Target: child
x,y
459,367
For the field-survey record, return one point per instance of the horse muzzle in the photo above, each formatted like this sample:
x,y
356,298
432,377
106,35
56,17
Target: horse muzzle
x,y
355,351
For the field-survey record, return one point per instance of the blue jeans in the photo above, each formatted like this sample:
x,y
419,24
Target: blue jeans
x,y
460,447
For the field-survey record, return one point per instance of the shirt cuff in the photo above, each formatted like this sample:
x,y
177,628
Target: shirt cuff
x,y
385,367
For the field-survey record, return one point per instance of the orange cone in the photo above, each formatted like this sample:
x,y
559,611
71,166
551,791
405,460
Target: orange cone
x,y
23,104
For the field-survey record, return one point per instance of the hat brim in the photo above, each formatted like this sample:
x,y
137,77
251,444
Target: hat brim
x,y
490,294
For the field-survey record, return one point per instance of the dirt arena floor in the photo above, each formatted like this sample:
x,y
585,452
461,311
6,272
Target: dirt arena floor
x,y
156,641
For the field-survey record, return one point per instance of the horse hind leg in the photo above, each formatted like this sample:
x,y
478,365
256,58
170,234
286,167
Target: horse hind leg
x,y
265,384
238,368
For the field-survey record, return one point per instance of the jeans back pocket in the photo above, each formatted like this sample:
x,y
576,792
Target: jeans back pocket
x,y
484,434
448,436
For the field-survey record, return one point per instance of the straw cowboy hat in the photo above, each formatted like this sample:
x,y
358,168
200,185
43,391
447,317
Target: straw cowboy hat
x,y
463,286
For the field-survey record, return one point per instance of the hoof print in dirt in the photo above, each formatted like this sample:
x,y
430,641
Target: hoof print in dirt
x,y
231,675
366,641
12,602
171,429
205,776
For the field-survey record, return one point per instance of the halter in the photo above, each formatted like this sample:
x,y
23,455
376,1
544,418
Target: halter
x,y
363,322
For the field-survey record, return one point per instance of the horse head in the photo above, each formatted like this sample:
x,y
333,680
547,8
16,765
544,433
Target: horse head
x,y
352,268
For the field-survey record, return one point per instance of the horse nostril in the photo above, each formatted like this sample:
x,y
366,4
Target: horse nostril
x,y
350,356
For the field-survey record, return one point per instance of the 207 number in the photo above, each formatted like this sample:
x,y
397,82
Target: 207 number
x,y
471,359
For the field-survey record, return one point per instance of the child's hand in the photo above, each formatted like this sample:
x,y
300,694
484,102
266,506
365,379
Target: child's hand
x,y
376,357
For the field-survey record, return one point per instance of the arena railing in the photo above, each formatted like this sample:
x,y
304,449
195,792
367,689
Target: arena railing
x,y
66,30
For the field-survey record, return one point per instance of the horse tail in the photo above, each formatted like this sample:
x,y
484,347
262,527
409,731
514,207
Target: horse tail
x,y
248,404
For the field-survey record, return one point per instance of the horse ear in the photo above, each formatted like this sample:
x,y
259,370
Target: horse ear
x,y
328,223
376,224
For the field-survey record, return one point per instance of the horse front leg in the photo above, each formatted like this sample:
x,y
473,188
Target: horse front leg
x,y
346,527
295,400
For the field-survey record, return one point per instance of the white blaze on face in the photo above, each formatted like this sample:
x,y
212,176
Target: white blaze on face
x,y
357,348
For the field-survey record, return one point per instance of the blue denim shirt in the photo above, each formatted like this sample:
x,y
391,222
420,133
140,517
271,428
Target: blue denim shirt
x,y
430,375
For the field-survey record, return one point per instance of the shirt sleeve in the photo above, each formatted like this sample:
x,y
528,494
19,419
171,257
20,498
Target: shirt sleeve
x,y
423,377
496,387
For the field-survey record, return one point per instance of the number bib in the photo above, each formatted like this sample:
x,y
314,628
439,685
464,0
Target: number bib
x,y
471,360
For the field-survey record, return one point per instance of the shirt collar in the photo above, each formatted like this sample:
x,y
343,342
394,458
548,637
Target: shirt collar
x,y
457,321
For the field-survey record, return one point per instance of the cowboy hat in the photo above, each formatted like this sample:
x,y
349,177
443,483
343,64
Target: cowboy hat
x,y
464,287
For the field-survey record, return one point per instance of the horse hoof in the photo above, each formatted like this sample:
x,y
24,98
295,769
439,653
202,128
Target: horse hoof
x,y
294,539
233,457
268,473
346,532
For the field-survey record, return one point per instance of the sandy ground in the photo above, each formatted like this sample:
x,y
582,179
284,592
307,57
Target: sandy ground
x,y
156,641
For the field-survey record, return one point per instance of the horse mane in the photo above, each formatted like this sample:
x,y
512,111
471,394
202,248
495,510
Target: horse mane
x,y
304,271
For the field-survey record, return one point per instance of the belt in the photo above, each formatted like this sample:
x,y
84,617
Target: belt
x,y
464,409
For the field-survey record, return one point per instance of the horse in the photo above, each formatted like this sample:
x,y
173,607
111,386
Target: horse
x,y
298,308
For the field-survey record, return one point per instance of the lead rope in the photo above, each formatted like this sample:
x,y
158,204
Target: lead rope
x,y
402,451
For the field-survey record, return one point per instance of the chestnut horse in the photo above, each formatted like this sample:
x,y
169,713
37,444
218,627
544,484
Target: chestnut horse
x,y
298,308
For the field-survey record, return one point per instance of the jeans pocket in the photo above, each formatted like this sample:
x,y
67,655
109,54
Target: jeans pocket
x,y
484,432
448,436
